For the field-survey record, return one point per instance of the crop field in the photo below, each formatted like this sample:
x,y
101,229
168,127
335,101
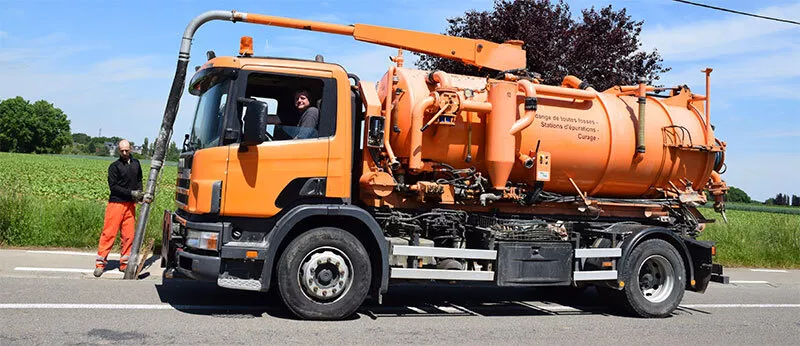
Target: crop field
x,y
59,201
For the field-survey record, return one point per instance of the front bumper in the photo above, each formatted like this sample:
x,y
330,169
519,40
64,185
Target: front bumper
x,y
198,267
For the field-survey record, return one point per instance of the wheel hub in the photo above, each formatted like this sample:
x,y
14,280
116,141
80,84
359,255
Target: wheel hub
x,y
656,278
325,274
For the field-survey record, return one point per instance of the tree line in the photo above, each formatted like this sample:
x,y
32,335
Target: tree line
x,y
781,199
42,128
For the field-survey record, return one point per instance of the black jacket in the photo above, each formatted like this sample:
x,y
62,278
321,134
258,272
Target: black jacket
x,y
123,178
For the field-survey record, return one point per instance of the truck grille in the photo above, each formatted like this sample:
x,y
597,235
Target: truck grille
x,y
181,198
183,183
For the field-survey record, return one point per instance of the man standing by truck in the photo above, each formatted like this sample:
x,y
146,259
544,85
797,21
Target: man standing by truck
x,y
125,183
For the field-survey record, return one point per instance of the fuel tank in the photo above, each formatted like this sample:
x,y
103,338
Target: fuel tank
x,y
591,136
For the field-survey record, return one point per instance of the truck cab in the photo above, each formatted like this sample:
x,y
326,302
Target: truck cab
x,y
243,195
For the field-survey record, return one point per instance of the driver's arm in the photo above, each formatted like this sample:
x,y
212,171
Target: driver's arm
x,y
307,127
273,120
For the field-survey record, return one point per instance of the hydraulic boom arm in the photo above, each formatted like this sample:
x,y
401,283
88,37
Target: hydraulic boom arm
x,y
480,53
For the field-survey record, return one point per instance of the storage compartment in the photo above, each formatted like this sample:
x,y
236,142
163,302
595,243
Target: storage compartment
x,y
534,263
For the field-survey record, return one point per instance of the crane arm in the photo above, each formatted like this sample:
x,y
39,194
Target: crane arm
x,y
480,53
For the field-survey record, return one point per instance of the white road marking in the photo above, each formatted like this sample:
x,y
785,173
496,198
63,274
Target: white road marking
x,y
701,306
449,309
769,270
417,310
132,307
465,310
65,270
250,308
551,307
74,253
748,282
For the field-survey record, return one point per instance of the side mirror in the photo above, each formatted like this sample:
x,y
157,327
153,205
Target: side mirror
x,y
255,122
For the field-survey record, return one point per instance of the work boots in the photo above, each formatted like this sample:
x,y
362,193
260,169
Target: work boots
x,y
98,270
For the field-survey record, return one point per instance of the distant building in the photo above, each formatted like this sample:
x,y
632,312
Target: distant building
x,y
112,148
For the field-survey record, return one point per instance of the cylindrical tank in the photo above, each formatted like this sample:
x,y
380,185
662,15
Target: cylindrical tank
x,y
592,142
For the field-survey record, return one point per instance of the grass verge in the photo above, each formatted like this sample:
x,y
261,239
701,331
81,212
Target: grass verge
x,y
755,239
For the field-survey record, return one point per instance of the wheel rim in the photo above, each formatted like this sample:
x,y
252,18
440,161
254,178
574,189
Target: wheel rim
x,y
656,278
325,274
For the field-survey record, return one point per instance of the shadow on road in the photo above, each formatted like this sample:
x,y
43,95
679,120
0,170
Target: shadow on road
x,y
206,298
441,299
402,300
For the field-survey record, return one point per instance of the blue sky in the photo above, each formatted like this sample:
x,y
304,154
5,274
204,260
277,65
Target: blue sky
x,y
109,64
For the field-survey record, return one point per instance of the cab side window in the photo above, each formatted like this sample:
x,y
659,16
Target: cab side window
x,y
299,108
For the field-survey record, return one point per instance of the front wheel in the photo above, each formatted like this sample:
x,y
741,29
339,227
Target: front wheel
x,y
324,274
655,279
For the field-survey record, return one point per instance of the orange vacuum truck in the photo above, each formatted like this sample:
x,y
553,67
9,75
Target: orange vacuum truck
x,y
300,177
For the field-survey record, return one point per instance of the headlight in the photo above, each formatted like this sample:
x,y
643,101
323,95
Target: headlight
x,y
202,240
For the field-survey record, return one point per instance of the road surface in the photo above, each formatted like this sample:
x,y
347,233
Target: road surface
x,y
52,298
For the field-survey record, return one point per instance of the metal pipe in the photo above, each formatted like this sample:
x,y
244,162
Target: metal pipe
x,y
171,110
574,82
642,100
549,90
415,154
475,106
395,122
468,158
388,104
484,197
441,78
530,107
707,71
525,160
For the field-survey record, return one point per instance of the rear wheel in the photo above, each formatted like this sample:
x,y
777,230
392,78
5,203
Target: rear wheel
x,y
656,279
324,274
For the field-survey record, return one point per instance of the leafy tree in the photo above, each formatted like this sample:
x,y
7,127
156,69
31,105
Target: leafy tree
x,y
770,201
81,138
795,201
172,153
738,195
144,148
781,199
32,128
602,47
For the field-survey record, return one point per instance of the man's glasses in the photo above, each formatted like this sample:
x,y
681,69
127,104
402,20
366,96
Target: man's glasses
x,y
124,151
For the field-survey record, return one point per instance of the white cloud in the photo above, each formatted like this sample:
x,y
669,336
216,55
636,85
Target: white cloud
x,y
732,34
112,93
129,69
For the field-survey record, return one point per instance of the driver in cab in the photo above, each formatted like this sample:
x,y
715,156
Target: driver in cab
x,y
302,124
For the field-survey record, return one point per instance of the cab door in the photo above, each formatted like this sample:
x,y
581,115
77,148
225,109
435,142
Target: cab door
x,y
289,168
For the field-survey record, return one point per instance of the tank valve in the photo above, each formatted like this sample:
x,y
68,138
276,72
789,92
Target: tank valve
x,y
526,161
488,197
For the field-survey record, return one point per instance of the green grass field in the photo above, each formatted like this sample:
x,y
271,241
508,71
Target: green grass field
x,y
769,238
59,201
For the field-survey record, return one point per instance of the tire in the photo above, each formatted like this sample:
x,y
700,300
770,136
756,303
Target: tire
x,y
324,274
655,279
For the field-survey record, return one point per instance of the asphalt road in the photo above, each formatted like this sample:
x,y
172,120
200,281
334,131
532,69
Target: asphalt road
x,y
52,298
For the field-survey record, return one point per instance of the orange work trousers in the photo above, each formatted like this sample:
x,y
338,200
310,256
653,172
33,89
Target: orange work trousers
x,y
118,215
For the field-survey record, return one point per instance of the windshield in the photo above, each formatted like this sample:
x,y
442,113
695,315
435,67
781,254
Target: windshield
x,y
208,117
